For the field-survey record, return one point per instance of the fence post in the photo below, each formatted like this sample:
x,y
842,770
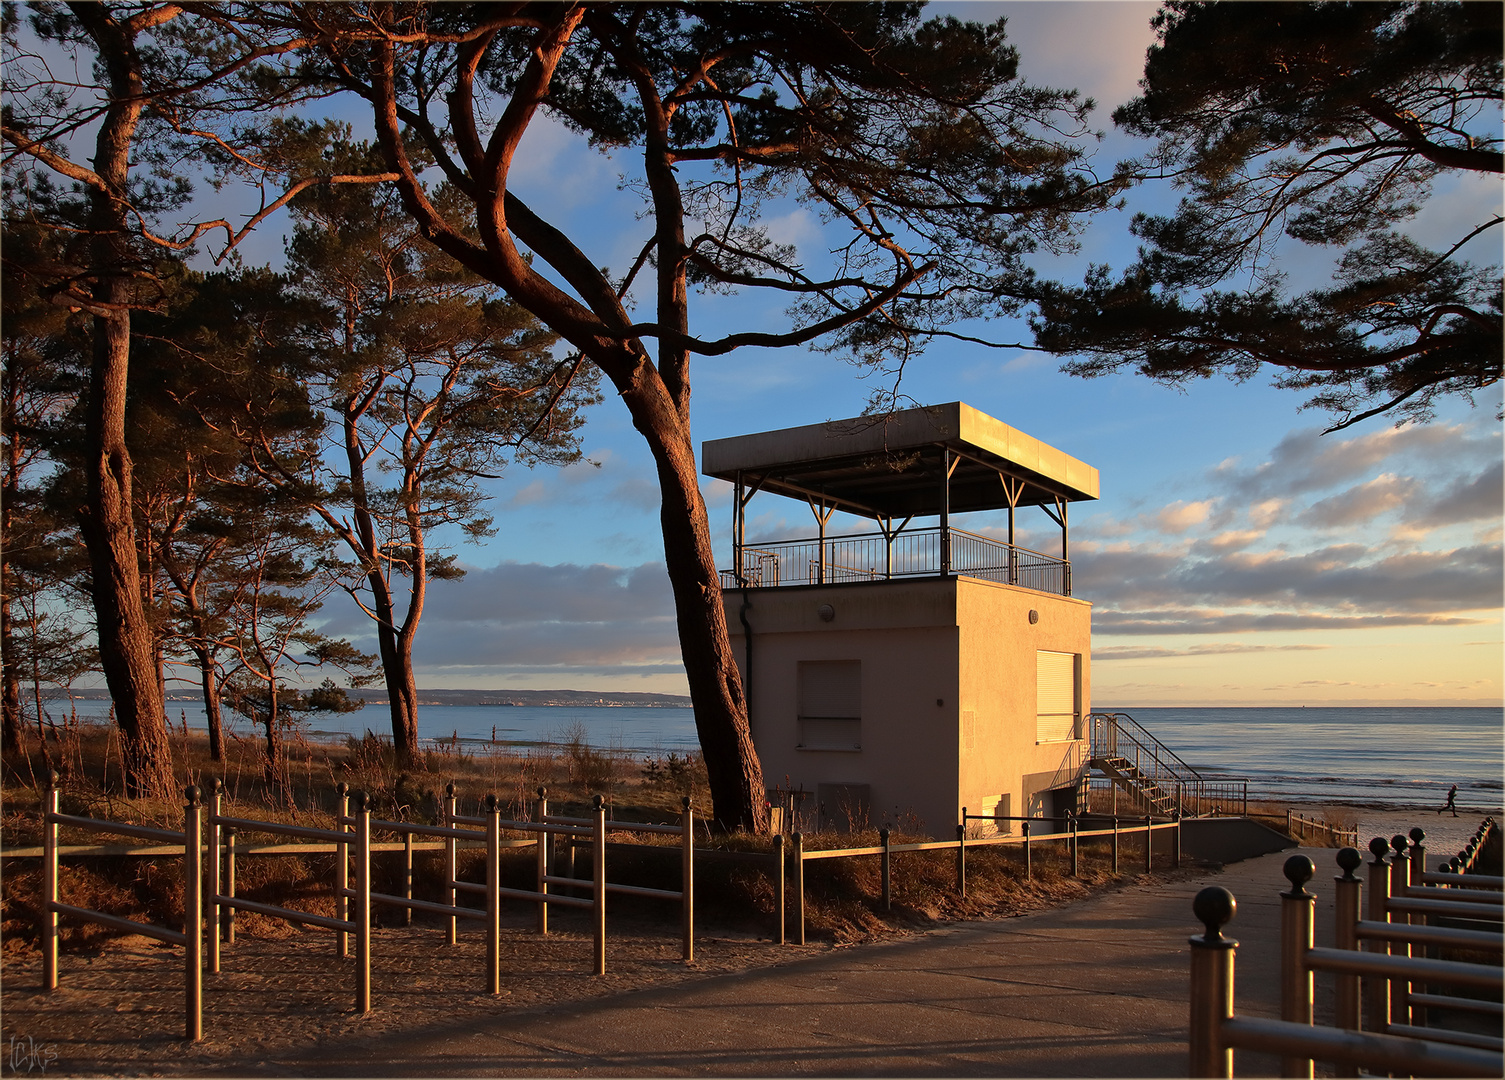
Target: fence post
x,y
687,885
362,904
1071,828
1418,855
493,896
545,842
342,866
1028,867
778,886
1400,877
598,876
1347,899
1377,999
49,884
1290,827
1212,962
1176,841
193,916
1149,845
1296,909
1246,798
407,876
230,885
1115,841
960,856
451,863
212,888
887,891
798,858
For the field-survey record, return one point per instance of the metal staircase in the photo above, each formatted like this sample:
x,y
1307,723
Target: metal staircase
x,y
1140,764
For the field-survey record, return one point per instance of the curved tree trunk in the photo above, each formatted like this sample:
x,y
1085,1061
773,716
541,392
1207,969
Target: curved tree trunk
x,y
212,714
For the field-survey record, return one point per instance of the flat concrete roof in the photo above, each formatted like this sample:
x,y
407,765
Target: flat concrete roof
x,y
891,466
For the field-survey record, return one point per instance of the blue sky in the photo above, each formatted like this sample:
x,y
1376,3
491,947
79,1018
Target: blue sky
x,y
1235,556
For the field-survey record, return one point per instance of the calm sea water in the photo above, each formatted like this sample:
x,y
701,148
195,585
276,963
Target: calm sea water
x,y
1379,757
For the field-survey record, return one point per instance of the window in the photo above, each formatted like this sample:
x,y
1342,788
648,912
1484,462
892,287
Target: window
x,y
830,704
1055,696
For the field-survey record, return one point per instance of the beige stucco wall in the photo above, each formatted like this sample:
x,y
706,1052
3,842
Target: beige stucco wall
x,y
931,650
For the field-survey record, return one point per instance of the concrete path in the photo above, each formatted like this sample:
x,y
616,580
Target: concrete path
x,y
1097,988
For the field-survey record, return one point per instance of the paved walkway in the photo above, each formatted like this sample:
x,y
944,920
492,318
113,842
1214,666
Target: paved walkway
x,y
1097,988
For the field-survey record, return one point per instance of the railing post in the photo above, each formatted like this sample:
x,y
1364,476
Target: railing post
x,y
193,916
1290,825
961,856
1246,798
598,875
362,904
798,857
1071,830
49,884
230,886
687,883
1115,837
1377,987
1400,878
407,876
1347,900
1149,845
212,889
493,896
1176,842
1296,910
1418,854
778,886
545,842
451,863
342,866
1028,866
887,894
1212,962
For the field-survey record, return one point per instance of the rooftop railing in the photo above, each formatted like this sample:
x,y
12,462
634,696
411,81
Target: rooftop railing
x,y
876,557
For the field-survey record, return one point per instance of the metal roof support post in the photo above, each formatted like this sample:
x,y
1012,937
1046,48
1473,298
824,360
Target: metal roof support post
x,y
738,519
945,511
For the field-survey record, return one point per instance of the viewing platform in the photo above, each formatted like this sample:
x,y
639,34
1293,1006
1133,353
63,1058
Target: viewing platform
x,y
930,462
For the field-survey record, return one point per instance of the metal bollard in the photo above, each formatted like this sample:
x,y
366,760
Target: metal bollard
x,y
798,857
778,887
1115,842
1149,845
1071,829
451,863
362,904
687,883
598,877
1028,867
1212,963
193,916
1377,995
493,896
407,877
887,892
49,885
212,887
342,866
1296,911
545,842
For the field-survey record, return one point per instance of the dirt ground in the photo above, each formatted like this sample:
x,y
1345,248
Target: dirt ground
x,y
119,1012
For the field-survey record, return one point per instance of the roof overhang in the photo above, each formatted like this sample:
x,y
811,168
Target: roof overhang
x,y
892,466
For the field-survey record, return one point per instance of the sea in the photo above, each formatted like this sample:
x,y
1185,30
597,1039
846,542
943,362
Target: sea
x,y
1382,758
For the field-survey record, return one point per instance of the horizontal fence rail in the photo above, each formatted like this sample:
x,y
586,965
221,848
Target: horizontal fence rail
x,y
909,553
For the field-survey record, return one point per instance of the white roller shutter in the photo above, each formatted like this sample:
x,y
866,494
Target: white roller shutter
x,y
1055,696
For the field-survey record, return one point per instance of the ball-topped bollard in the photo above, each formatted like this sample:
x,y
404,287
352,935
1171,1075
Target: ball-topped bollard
x,y
358,801
491,803
1214,908
192,794
1379,847
217,787
685,801
342,788
53,779
1349,860
1398,842
543,792
597,801
1298,870
1418,835
449,791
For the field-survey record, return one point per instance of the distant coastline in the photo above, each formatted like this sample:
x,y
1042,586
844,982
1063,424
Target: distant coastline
x,y
533,698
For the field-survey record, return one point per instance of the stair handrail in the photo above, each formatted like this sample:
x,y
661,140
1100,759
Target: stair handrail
x,y
1149,742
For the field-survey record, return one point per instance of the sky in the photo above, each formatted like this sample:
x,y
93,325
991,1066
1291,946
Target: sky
x,y
1236,556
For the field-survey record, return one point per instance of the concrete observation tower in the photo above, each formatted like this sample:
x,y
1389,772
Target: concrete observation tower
x,y
902,672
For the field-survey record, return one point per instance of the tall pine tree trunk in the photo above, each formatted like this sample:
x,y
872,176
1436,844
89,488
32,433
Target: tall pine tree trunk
x,y
125,637
210,687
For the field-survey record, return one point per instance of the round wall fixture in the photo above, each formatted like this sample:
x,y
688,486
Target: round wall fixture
x,y
826,612
1034,617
